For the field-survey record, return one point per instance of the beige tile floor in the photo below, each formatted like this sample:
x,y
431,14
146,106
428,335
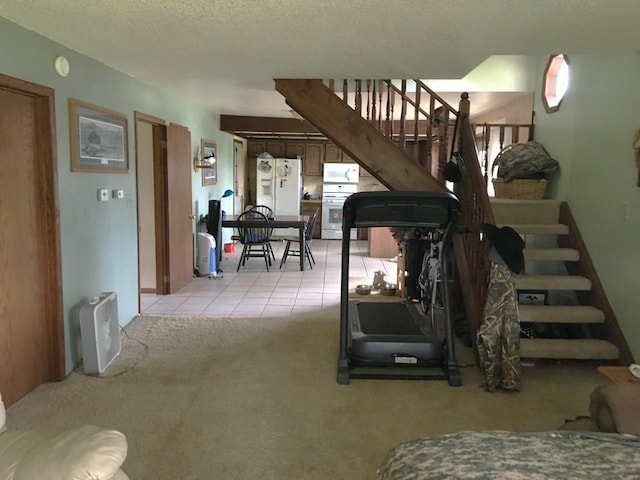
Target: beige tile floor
x,y
254,292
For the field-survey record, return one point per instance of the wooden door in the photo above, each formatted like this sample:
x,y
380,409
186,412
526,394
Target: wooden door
x,y
31,315
180,215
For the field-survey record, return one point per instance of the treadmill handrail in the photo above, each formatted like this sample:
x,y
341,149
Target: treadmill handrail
x,y
399,209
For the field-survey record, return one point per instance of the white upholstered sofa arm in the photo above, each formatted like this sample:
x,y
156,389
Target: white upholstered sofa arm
x,y
80,453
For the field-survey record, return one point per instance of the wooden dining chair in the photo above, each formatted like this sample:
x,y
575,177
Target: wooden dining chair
x,y
268,212
255,240
308,237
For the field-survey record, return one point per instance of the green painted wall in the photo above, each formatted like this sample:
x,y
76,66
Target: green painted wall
x,y
591,137
99,239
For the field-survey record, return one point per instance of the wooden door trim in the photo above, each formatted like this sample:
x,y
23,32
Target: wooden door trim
x,y
46,149
143,117
160,197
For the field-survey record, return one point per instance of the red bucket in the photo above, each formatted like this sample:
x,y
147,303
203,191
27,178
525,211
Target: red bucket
x,y
229,248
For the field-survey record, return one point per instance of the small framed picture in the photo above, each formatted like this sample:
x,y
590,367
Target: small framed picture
x,y
98,139
210,155
532,297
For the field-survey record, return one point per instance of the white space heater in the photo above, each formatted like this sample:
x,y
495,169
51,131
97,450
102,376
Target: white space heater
x,y
100,332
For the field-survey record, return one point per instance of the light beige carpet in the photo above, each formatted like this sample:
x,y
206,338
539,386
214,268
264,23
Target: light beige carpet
x,y
257,399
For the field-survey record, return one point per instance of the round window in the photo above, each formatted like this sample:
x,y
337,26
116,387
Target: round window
x,y
556,82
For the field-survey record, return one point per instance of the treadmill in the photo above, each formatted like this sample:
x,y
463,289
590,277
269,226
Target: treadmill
x,y
393,340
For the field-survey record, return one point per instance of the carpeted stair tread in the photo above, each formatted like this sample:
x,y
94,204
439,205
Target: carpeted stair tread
x,y
553,254
552,282
508,211
538,228
581,349
560,314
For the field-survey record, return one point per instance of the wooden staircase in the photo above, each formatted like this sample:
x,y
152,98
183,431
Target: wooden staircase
x,y
557,261
573,321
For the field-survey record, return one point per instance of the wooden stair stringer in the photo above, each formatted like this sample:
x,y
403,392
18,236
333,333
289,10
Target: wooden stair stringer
x,y
354,135
604,340
595,297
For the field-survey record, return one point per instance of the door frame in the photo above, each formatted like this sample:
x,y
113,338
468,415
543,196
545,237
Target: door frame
x,y
48,201
160,183
239,155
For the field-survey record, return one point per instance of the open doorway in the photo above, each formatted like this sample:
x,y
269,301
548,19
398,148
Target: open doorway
x,y
150,172
239,168
165,217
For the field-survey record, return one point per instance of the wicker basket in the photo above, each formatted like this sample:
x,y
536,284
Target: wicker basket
x,y
520,189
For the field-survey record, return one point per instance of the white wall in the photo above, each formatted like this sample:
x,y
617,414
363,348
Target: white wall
x,y
591,137
99,239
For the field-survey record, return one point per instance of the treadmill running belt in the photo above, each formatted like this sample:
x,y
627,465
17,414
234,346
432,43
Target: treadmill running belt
x,y
386,319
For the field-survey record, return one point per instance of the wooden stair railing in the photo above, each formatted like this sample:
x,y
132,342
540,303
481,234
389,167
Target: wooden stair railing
x,y
472,259
491,138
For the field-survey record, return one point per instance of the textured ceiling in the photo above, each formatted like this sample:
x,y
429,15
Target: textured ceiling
x,y
226,53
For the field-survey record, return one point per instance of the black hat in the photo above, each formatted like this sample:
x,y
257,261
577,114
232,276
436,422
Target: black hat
x,y
452,172
508,243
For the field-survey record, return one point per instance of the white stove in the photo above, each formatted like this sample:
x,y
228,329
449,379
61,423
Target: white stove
x,y
333,197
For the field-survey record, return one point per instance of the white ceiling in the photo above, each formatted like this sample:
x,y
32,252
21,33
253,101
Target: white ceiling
x,y
226,53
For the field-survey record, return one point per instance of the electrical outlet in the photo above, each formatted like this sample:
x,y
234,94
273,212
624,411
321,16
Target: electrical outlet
x,y
103,194
625,211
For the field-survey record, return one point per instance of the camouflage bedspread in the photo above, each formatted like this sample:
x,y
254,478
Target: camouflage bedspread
x,y
491,455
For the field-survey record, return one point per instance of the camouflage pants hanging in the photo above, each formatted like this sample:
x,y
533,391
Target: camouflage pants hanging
x,y
498,338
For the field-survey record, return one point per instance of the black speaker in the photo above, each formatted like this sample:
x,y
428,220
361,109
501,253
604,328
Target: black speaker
x,y
214,226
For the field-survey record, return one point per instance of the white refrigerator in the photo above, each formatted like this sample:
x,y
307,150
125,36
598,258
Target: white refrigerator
x,y
278,185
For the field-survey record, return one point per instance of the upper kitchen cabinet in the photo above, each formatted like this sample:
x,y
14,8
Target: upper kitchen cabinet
x,y
346,158
256,147
332,154
312,163
277,149
295,149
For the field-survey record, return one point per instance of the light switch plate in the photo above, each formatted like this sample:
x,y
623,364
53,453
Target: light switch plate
x,y
103,194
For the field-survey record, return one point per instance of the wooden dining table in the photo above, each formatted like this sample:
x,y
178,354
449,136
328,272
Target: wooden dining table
x,y
281,221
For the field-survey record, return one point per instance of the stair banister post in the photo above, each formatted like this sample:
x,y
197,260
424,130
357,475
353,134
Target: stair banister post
x,y
403,116
465,105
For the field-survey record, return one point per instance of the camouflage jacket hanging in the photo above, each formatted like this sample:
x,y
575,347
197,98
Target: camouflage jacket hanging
x,y
498,338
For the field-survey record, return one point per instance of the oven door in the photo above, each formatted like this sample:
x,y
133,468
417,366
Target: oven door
x,y
332,219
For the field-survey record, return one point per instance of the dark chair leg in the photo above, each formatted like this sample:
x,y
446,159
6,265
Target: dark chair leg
x,y
309,252
241,261
307,257
266,255
285,253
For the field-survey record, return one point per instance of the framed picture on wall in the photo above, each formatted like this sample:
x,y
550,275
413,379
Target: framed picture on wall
x,y
98,139
209,156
